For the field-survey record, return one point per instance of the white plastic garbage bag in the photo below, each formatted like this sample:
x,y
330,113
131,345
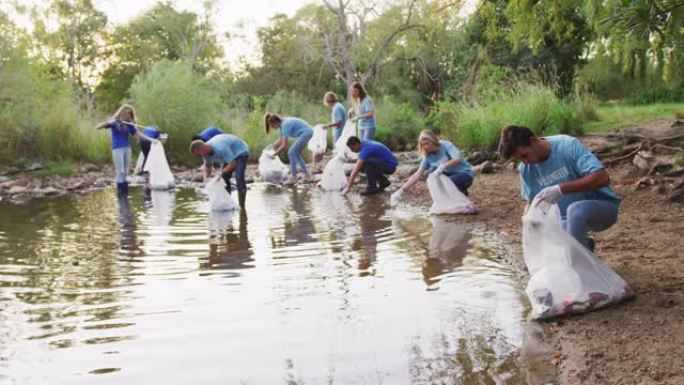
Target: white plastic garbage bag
x,y
565,277
272,170
340,147
219,199
333,177
319,140
161,177
139,164
447,198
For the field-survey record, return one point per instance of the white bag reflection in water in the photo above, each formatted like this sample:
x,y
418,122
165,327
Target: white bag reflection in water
x,y
565,277
162,203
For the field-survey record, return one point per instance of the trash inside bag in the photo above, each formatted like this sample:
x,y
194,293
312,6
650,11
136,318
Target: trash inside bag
x,y
333,177
272,170
340,147
219,199
565,277
161,177
447,198
319,141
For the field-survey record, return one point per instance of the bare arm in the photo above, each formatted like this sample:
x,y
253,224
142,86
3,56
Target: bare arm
x,y
591,182
354,173
415,177
453,162
280,145
142,136
229,167
103,125
336,123
207,171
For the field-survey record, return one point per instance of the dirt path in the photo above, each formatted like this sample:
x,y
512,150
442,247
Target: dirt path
x,y
638,342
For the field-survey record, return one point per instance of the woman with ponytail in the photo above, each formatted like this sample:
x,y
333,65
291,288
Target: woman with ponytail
x,y
294,128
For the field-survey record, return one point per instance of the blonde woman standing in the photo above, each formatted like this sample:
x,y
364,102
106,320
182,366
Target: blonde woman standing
x,y
339,114
122,125
440,156
365,111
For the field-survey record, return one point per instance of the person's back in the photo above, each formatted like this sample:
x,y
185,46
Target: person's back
x,y
373,149
226,148
208,133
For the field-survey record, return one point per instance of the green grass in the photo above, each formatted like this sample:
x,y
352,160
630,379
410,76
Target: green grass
x,y
615,116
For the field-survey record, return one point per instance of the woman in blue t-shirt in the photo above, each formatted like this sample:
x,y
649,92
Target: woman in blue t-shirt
x,y
365,112
294,128
339,114
440,156
122,124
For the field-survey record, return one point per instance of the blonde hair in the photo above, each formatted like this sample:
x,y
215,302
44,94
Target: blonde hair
x,y
125,113
330,96
269,120
431,137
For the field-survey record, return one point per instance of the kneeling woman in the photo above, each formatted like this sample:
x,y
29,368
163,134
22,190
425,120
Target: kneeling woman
x,y
440,156
294,128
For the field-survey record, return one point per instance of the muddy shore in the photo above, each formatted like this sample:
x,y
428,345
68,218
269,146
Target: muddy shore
x,y
638,342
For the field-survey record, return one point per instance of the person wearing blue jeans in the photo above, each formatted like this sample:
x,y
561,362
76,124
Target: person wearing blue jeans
x,y
442,157
294,128
560,169
339,115
122,125
365,112
231,153
376,161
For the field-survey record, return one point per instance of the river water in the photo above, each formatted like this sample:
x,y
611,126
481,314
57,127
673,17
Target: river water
x,y
308,288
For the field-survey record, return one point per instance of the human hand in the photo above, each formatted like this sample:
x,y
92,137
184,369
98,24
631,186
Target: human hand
x,y
156,141
551,194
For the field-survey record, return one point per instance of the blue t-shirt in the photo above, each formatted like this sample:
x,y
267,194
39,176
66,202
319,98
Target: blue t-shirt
x,y
120,132
152,132
226,148
294,128
366,106
373,149
569,160
339,114
209,133
447,151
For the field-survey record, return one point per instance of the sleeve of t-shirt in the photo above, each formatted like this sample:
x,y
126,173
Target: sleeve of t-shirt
x,y
451,150
367,105
524,188
584,161
424,164
339,114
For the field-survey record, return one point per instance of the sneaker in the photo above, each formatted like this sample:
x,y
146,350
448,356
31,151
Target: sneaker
x,y
384,183
290,181
370,191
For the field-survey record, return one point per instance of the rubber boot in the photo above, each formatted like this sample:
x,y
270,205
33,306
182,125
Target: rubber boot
x,y
122,188
242,195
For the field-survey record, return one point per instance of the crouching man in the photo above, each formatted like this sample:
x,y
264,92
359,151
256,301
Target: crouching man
x,y
560,169
376,161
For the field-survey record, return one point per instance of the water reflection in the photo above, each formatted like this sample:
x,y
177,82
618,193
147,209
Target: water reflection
x,y
127,226
229,248
448,246
372,219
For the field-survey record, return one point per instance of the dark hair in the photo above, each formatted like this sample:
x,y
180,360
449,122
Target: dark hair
x,y
270,119
353,140
196,137
361,89
513,137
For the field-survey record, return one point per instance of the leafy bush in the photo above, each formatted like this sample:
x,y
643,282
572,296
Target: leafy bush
x,y
178,101
654,95
398,124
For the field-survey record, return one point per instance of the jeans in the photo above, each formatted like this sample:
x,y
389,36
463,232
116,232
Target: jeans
x,y
337,132
122,161
462,180
145,147
590,215
240,166
295,153
366,133
374,169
